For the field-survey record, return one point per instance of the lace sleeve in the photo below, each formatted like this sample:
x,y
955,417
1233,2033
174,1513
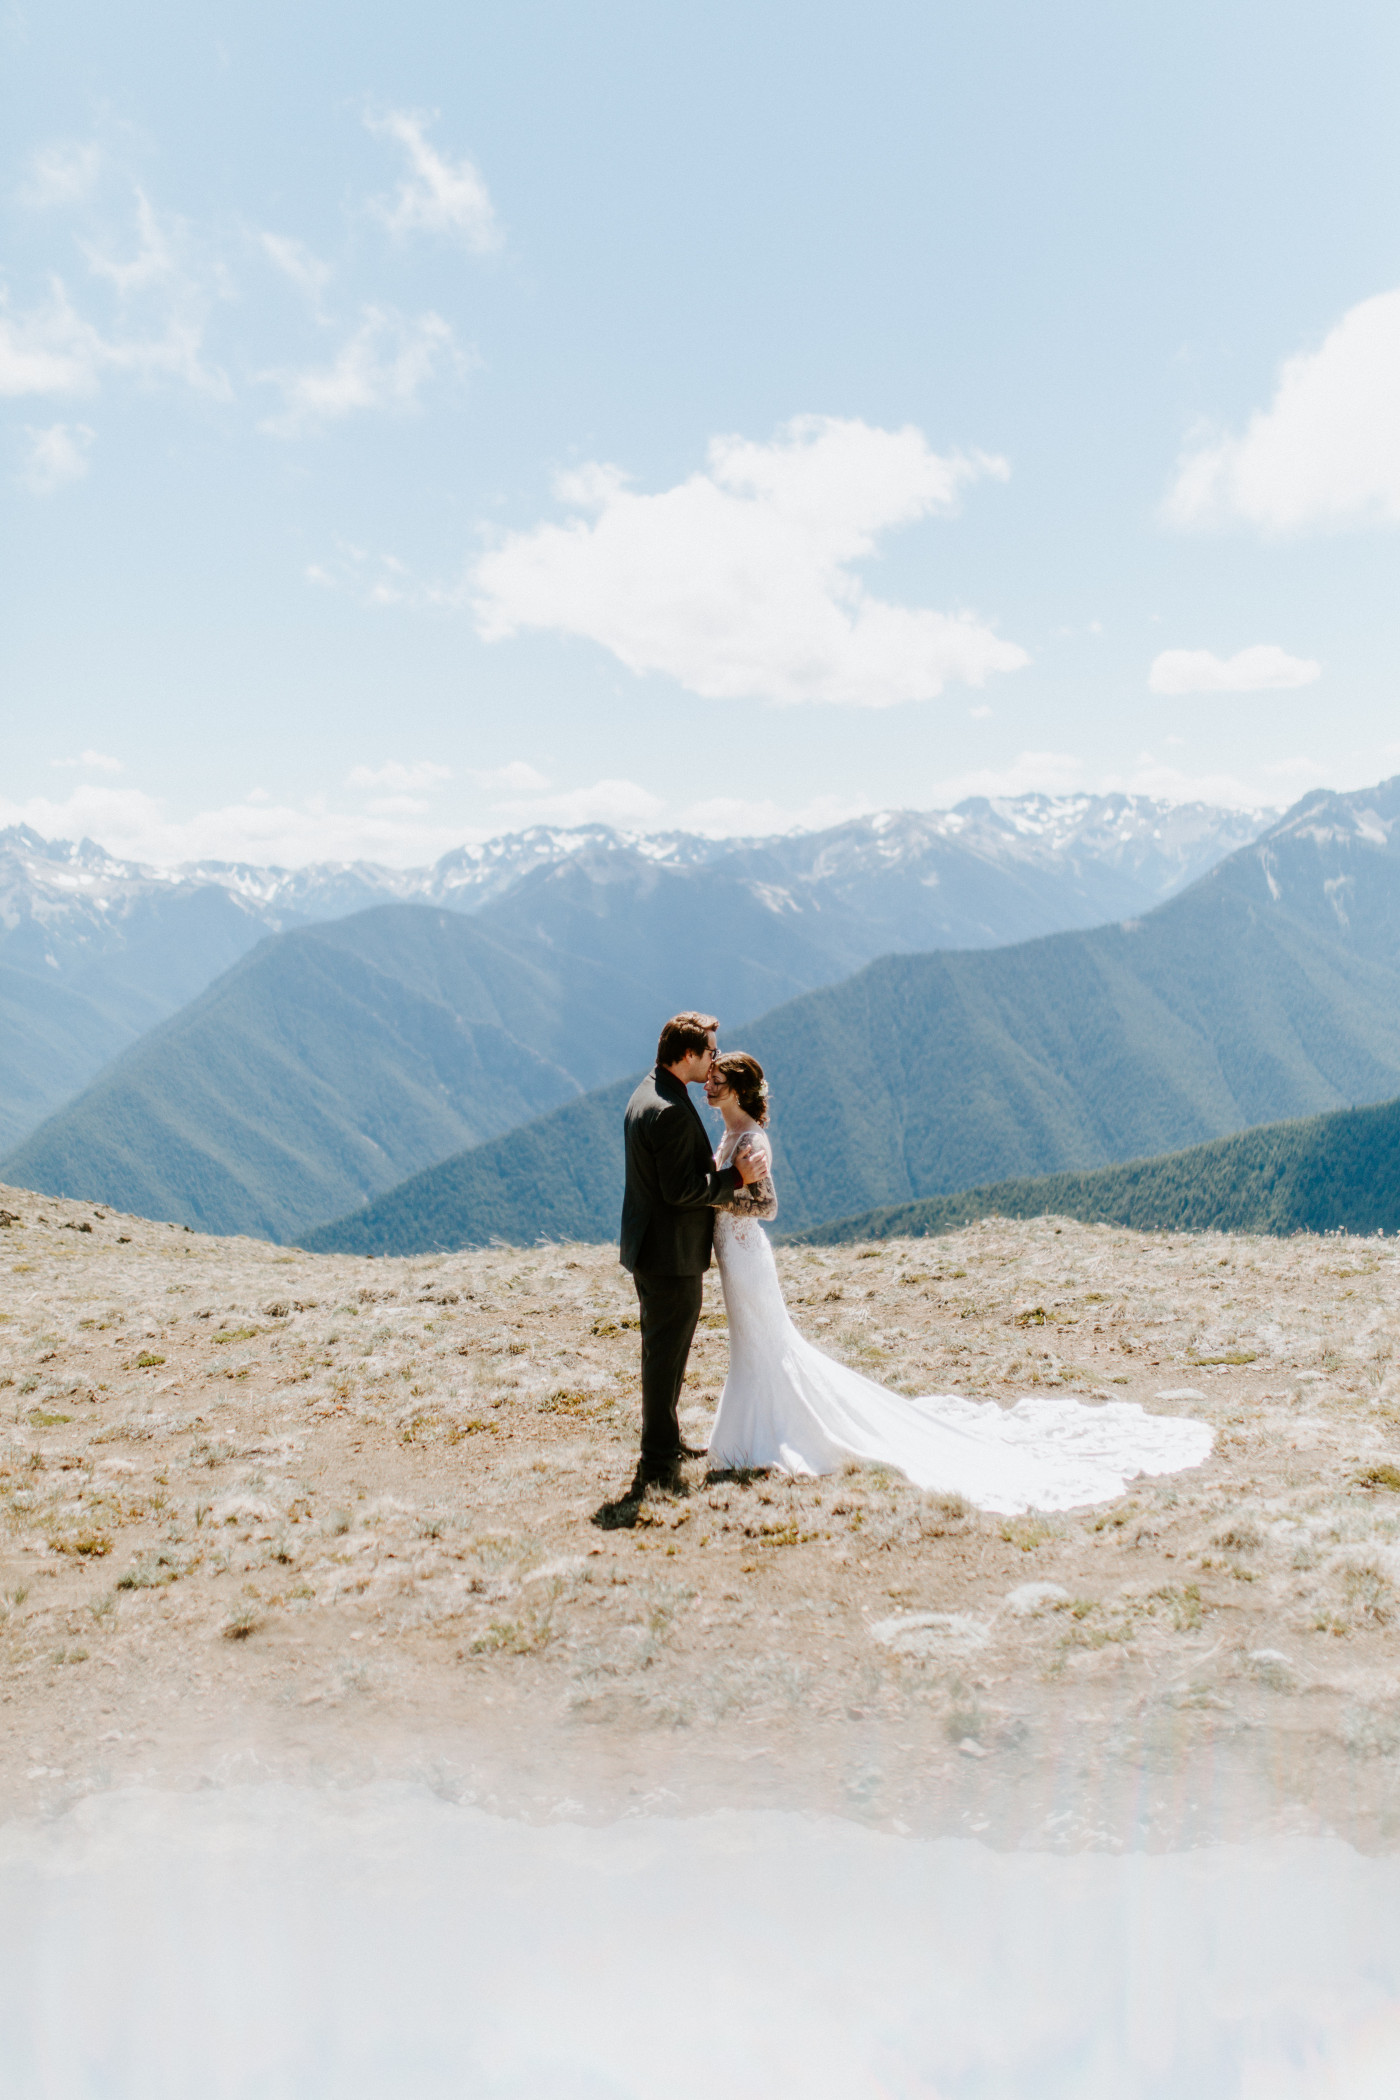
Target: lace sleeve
x,y
757,1199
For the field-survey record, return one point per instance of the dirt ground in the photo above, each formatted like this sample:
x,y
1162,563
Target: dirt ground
x,y
271,1514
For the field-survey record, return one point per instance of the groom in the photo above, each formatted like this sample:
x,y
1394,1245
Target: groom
x,y
668,1222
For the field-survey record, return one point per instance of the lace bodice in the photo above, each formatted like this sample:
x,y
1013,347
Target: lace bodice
x,y
757,1199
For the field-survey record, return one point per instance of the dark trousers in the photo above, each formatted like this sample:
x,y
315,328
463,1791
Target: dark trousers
x,y
670,1307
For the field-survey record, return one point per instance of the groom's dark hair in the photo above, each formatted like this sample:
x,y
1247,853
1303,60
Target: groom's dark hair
x,y
683,1033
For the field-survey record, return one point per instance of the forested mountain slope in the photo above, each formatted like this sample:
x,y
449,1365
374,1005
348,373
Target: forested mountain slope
x,y
325,1066
295,1088
1270,989
333,1060
1332,1173
94,950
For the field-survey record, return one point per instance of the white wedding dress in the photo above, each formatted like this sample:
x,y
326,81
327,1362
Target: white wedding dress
x,y
788,1407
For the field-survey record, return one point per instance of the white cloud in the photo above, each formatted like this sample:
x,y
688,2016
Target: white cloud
x,y
437,195
1169,783
382,579
630,807
177,353
265,829
1263,669
259,829
394,585
738,582
154,260
384,365
519,776
61,174
1326,451
1297,773
619,802
732,816
1032,773
296,261
1064,773
412,779
89,761
58,455
49,350
152,290
53,349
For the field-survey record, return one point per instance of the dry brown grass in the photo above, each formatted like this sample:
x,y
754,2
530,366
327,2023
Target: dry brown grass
x,y
343,1515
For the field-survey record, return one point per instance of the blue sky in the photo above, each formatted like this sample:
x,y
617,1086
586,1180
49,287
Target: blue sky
x,y
421,421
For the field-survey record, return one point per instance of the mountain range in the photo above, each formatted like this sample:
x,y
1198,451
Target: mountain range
x,y
1332,1173
334,1060
96,951
1270,989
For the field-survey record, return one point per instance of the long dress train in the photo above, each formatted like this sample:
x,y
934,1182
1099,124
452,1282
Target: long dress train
x,y
789,1407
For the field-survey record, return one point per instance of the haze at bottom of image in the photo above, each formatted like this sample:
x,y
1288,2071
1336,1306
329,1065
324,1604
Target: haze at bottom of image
x,y
288,1939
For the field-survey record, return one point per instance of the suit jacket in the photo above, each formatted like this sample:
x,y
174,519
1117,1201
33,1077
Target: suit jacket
x,y
673,1186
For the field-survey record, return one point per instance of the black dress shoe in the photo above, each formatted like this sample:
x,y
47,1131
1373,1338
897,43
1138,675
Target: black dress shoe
x,y
663,1473
693,1451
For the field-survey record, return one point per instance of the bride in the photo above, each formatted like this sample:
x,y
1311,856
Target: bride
x,y
788,1407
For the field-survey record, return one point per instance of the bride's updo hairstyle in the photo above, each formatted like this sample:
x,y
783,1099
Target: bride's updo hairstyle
x,y
745,1075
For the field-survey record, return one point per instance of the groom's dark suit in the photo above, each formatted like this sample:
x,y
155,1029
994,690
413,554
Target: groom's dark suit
x,y
668,1226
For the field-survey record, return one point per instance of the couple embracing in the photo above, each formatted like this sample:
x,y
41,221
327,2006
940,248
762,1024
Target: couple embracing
x,y
786,1406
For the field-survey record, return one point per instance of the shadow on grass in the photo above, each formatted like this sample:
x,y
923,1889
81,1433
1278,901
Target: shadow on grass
x,y
621,1514
624,1513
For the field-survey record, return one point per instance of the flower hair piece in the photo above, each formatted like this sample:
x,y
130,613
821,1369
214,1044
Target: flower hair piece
x,y
744,1074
